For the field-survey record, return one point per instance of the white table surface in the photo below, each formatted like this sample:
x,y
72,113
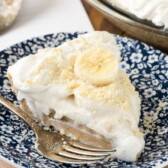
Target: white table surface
x,y
39,17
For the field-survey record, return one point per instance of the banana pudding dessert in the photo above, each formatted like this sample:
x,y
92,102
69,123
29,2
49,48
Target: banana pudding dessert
x,y
80,83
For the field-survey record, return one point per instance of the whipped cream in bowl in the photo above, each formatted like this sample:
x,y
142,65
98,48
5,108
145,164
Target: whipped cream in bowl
x,y
153,10
82,80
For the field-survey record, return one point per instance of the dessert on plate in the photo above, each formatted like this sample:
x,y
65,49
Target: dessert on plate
x,y
80,85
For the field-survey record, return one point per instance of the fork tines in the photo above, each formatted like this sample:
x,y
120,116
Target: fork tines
x,y
79,153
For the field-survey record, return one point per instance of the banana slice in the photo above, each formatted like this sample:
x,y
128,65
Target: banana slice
x,y
96,66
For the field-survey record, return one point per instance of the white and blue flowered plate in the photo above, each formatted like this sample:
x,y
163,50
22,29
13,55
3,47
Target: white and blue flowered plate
x,y
148,71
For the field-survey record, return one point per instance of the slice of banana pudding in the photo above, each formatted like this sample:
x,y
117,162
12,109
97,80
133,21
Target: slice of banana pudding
x,y
81,81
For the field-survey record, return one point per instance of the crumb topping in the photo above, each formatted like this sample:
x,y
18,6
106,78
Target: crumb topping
x,y
57,72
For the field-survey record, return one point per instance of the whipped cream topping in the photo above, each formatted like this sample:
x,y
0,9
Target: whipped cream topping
x,y
154,10
85,88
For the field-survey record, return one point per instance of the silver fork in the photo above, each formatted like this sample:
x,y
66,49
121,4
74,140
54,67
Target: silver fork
x,y
59,147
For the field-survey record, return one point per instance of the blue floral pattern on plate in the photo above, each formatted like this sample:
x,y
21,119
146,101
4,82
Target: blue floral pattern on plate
x,y
148,71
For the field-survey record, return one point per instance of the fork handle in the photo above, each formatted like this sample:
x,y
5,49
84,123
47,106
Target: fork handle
x,y
6,103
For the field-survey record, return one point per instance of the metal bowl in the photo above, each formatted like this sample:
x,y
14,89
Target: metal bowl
x,y
156,37
9,9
